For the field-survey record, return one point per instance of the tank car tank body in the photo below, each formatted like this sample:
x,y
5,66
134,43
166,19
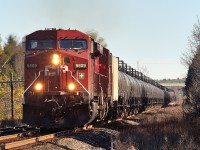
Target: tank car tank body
x,y
137,91
70,81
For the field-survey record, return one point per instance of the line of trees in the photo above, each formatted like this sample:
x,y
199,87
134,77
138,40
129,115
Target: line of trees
x,y
12,57
11,61
191,59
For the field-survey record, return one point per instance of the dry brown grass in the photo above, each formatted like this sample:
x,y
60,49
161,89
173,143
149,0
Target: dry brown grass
x,y
162,129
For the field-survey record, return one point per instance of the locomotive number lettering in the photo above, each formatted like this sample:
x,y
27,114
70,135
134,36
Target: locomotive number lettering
x,y
80,66
31,65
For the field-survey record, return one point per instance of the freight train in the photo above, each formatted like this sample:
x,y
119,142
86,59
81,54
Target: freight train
x,y
71,80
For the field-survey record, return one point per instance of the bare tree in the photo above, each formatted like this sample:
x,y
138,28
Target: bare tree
x,y
0,44
144,70
193,44
191,60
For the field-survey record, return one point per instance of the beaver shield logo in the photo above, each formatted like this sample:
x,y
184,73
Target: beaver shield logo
x,y
81,75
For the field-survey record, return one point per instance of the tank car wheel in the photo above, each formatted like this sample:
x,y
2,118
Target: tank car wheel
x,y
121,114
130,110
136,110
130,113
124,113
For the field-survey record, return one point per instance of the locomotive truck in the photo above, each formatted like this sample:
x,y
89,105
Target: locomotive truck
x,y
71,80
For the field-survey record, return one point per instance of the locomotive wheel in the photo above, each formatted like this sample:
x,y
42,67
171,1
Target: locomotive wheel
x,y
123,113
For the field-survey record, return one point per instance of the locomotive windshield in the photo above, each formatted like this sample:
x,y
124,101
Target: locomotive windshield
x,y
41,44
73,44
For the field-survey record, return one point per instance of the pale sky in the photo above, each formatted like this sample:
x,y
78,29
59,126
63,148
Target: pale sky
x,y
150,34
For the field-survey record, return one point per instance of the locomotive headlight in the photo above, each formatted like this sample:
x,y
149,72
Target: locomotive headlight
x,y
71,86
38,87
55,59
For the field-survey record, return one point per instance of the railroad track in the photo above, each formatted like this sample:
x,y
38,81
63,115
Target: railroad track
x,y
12,130
10,140
18,135
99,137
90,136
24,142
17,140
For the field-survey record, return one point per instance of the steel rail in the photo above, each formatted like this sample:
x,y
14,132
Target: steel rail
x,y
33,140
27,141
12,136
21,134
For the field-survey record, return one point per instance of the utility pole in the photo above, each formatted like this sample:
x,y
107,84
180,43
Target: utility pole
x,y
11,82
12,96
11,86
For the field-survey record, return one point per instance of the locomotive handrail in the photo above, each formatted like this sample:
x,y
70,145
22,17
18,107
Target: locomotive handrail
x,y
79,83
101,74
32,83
101,97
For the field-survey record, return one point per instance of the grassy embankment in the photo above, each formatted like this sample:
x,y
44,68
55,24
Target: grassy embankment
x,y
163,129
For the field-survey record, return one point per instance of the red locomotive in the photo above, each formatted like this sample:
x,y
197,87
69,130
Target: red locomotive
x,y
70,80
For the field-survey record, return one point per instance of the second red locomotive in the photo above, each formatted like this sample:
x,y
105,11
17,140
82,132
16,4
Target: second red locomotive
x,y
70,80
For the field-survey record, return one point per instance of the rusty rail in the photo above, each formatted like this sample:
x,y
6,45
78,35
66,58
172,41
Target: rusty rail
x,y
21,134
8,137
30,140
27,141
